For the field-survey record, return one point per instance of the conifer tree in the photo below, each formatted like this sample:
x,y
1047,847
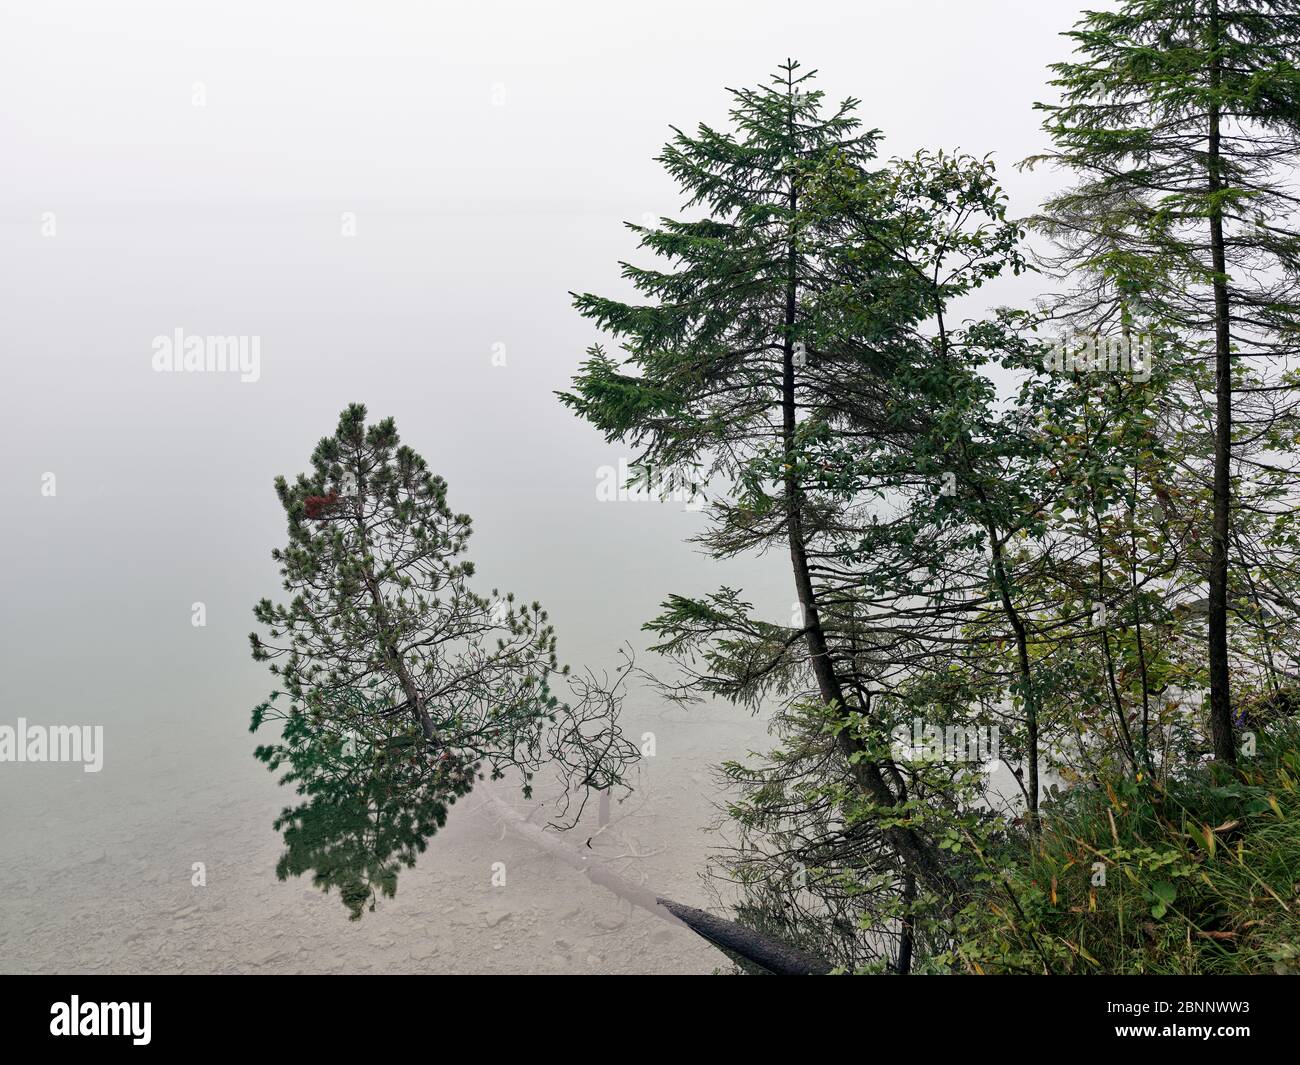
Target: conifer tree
x,y
762,320
400,685
1181,119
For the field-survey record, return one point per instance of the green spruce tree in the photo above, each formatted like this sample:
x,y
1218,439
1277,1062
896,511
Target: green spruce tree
x,y
1181,118
762,322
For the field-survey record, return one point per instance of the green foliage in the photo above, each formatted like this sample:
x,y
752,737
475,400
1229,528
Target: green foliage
x,y
402,686
1200,876
1034,559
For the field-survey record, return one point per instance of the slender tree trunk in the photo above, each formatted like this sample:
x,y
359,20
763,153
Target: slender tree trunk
x,y
907,934
387,637
1117,700
1220,696
1021,633
918,854
1265,635
388,641
1138,611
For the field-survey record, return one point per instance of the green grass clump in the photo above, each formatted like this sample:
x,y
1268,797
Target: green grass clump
x,y
1199,874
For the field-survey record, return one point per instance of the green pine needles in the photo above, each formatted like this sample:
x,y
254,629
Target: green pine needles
x,y
401,686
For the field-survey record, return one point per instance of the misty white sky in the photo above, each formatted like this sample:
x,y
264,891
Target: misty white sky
x,y
489,152
391,104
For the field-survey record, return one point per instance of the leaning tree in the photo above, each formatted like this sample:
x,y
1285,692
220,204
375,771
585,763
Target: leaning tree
x,y
777,324
401,686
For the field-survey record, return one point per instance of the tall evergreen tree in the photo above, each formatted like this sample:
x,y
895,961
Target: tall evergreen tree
x,y
1181,118
765,322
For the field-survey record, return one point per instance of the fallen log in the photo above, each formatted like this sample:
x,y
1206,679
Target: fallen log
x,y
764,951
768,954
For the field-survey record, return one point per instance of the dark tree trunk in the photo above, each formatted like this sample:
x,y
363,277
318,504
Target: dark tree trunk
x,y
1220,696
918,855
746,944
1026,676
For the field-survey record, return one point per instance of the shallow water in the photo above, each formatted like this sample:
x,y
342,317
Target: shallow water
x,y
487,158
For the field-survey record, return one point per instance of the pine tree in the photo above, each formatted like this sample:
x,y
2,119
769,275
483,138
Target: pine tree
x,y
404,686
